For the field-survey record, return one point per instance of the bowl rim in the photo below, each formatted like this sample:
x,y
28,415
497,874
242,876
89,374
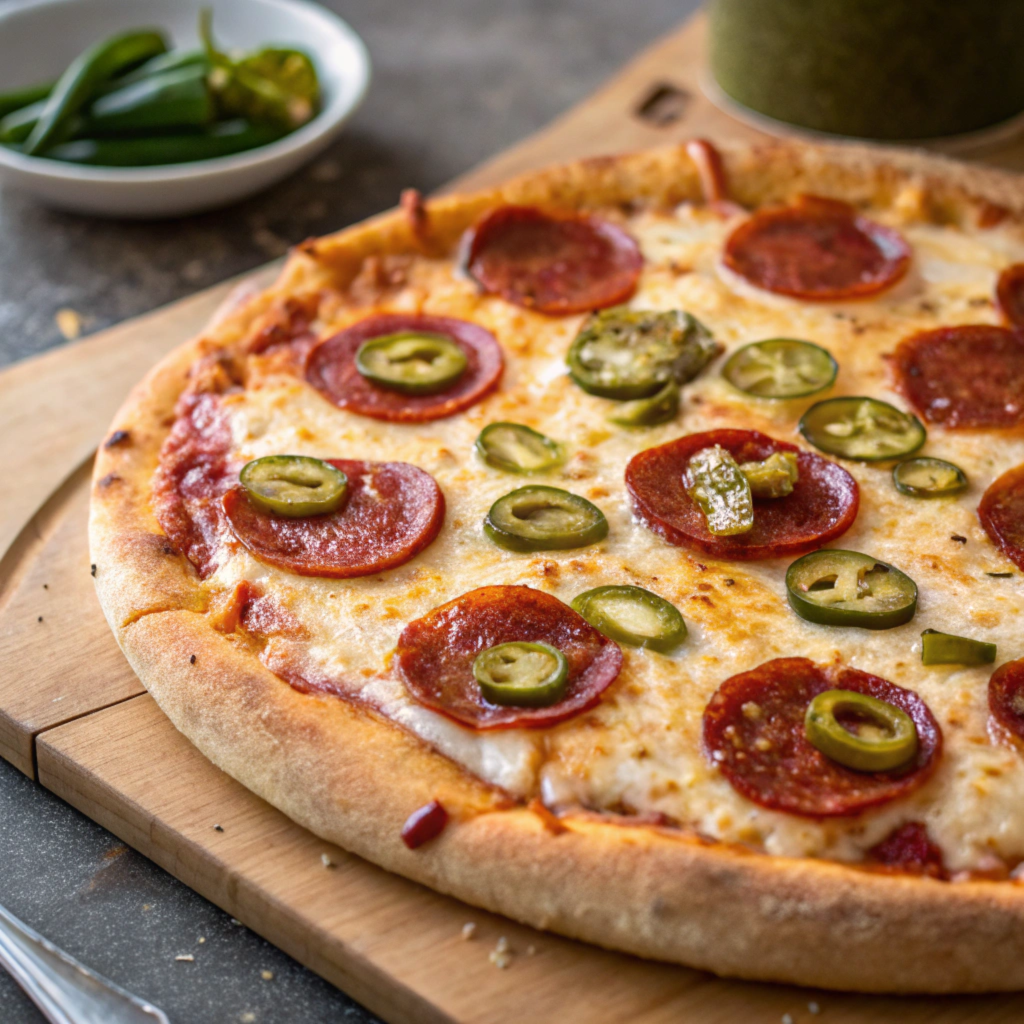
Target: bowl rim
x,y
326,122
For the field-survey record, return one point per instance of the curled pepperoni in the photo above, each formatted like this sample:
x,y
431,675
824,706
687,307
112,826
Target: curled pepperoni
x,y
817,249
1006,696
555,264
1002,514
392,512
966,376
823,504
909,850
435,655
331,369
191,478
754,733
1010,294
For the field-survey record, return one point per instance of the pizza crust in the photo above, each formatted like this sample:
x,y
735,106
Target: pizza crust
x,y
353,777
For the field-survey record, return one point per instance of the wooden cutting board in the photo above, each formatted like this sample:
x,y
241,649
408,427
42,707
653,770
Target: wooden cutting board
x,y
73,715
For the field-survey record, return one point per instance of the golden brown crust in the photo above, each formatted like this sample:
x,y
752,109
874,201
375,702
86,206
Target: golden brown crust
x,y
353,777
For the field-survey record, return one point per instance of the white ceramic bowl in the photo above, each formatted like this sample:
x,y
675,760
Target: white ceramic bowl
x,y
39,38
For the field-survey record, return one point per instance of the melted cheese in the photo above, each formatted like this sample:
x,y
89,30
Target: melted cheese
x,y
644,755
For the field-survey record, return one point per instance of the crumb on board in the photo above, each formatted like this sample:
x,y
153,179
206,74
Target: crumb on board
x,y
218,828
235,920
501,955
326,860
813,1008
469,930
267,975
186,958
69,323
147,906
530,950
247,1018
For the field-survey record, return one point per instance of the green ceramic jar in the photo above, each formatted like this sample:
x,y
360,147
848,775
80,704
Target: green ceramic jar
x,y
878,69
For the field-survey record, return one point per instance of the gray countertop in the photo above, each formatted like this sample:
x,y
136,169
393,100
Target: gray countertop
x,y
454,82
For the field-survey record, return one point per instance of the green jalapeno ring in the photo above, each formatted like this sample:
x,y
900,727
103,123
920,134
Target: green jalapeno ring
x,y
894,746
294,485
413,362
540,518
948,649
926,477
861,428
521,674
628,354
833,587
661,407
634,616
517,448
780,368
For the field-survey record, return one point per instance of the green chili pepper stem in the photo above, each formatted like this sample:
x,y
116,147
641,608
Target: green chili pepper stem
x,y
223,139
17,99
77,85
947,649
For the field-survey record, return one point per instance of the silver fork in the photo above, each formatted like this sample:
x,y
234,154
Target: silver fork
x,y
64,990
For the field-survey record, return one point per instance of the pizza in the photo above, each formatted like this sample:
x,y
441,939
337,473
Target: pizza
x,y
634,550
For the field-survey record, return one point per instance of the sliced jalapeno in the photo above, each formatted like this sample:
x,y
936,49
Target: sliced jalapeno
x,y
880,737
413,362
516,448
862,428
847,588
634,616
946,649
538,518
522,674
661,407
721,490
780,368
775,477
928,478
294,485
628,354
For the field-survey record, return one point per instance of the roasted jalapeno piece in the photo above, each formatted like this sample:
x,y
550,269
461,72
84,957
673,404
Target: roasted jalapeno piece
x,y
775,477
627,354
516,448
861,428
413,362
538,518
294,485
928,478
860,732
521,674
718,485
847,588
661,407
780,368
633,616
946,649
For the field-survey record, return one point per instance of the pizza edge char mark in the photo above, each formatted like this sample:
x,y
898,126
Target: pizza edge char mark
x,y
909,839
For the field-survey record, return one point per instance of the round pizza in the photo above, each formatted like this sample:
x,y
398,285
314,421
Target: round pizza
x,y
635,550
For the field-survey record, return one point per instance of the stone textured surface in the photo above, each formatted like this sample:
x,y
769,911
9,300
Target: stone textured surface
x,y
454,81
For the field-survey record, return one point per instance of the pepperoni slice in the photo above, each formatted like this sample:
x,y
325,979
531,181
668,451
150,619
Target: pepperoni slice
x,y
392,512
1006,696
966,376
908,849
1002,514
435,655
331,369
754,733
1010,294
569,263
191,478
817,249
823,504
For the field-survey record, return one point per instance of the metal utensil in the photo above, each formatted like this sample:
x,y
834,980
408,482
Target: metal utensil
x,y
65,991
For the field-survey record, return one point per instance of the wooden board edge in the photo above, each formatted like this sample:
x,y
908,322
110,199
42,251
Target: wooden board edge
x,y
220,883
